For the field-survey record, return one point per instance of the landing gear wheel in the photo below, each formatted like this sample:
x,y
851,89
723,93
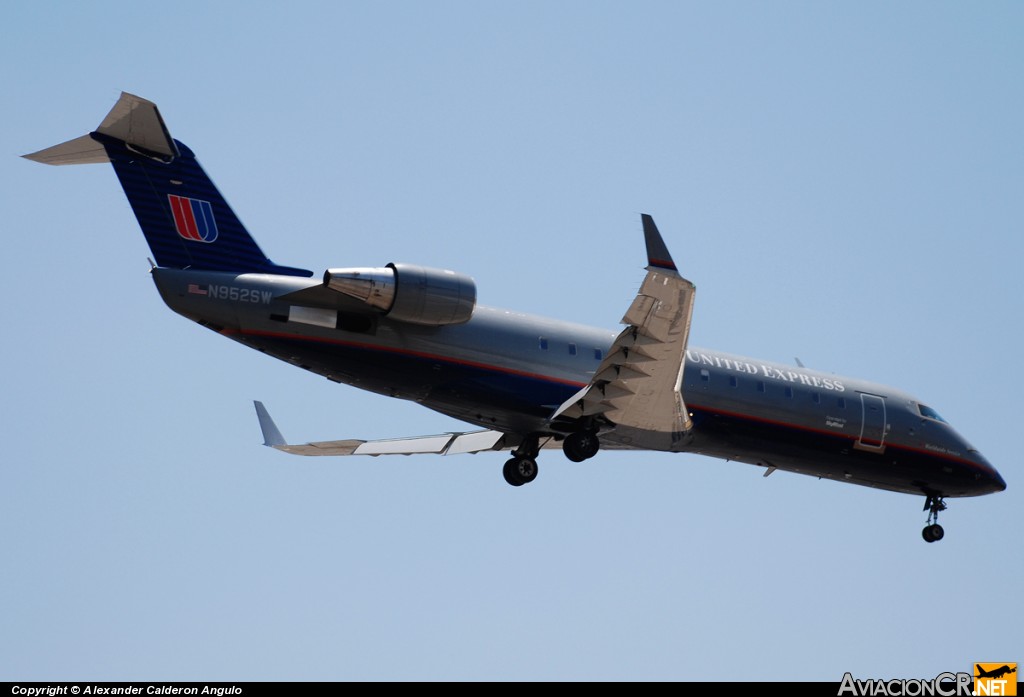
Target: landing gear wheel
x,y
933,533
581,445
509,472
520,470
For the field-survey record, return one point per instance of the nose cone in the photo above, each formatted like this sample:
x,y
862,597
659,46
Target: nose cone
x,y
990,481
997,481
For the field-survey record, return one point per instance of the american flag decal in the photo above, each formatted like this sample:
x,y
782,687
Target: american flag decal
x,y
193,219
197,289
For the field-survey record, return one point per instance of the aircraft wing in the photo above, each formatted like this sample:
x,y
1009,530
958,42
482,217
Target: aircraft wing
x,y
638,383
453,443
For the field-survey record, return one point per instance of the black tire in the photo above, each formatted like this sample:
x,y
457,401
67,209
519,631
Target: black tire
x,y
511,473
933,533
571,454
581,445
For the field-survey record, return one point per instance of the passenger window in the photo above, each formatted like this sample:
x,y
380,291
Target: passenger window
x,y
543,344
733,382
705,375
789,392
816,398
841,402
597,354
760,385
572,349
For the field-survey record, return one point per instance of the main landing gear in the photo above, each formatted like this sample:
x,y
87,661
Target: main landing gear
x,y
522,467
581,445
520,470
933,532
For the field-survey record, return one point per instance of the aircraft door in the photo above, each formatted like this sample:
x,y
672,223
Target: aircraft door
x,y
873,424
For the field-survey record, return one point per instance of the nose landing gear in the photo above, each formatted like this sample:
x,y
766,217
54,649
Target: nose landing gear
x,y
933,532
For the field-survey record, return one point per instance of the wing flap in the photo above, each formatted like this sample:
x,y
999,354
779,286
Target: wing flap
x,y
405,446
475,442
329,448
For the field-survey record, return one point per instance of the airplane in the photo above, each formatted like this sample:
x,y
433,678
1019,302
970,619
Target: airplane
x,y
995,673
525,383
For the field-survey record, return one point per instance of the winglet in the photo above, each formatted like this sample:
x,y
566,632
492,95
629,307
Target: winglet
x,y
657,252
271,435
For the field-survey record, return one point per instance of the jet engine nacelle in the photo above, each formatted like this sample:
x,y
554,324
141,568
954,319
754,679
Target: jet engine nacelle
x,y
409,293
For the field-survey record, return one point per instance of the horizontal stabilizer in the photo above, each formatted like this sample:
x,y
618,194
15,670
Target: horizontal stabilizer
x,y
80,151
134,121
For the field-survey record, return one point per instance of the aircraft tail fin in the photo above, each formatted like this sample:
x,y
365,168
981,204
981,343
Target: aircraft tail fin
x,y
187,222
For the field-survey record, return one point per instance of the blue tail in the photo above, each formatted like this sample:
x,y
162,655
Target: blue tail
x,y
185,219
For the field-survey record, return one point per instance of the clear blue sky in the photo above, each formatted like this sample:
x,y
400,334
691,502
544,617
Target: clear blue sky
x,y
842,181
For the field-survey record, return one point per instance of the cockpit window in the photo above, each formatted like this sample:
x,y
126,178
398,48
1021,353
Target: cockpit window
x,y
930,413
